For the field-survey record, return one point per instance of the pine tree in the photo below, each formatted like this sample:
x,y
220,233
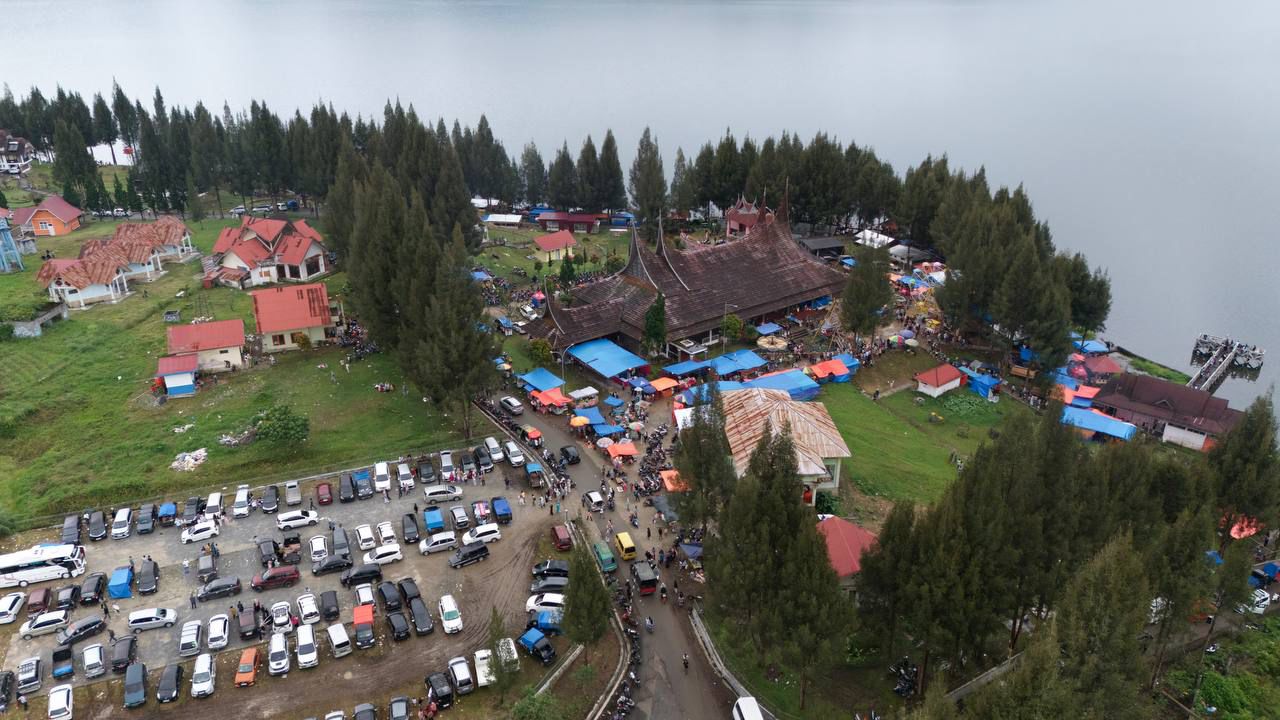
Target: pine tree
x,y
72,165
817,613
125,116
104,125
451,205
4,201
1245,469
728,177
588,172
195,204
684,192
339,215
886,574
612,190
562,181
118,193
533,175
376,256
867,292
503,676
703,463
1033,689
655,324
72,195
586,604
738,561
568,273
648,183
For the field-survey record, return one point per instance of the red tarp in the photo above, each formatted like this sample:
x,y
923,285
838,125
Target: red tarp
x,y
622,449
551,397
672,482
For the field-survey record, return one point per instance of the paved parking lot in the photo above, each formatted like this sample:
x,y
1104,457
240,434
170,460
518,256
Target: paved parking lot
x,y
502,581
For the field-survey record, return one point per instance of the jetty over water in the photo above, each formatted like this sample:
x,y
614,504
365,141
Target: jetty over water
x,y
1224,355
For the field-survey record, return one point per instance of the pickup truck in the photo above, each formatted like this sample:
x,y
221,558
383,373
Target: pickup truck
x,y
546,621
291,550
63,665
536,644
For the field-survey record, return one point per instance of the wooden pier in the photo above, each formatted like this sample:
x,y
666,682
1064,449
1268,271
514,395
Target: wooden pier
x,y
1224,354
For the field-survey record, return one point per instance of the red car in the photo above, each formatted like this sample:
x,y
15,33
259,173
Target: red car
x,y
324,493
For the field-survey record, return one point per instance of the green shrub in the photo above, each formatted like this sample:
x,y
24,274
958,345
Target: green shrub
x,y
827,504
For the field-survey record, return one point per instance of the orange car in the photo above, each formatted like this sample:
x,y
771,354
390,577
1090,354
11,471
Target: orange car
x,y
247,670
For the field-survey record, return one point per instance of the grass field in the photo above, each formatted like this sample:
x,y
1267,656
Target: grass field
x,y
519,250
78,426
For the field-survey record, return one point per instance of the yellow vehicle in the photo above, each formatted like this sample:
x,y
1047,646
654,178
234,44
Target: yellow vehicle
x,y
626,548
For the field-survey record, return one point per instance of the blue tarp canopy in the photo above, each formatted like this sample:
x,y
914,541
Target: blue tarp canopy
x,y
979,383
736,361
768,328
699,392
821,302
614,401
505,322
849,361
685,368
1091,346
1026,354
603,429
662,504
1093,422
1062,377
693,551
121,582
499,360
168,510
641,384
592,414
1213,557
541,379
795,382
481,276
1271,569
848,262
606,357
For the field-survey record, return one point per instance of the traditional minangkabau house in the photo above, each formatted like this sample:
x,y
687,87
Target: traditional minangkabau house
x,y
760,276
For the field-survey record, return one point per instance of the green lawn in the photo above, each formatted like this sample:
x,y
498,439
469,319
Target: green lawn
x,y
78,427
519,250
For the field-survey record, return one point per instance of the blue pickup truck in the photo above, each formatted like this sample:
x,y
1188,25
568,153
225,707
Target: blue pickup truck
x,y
546,621
63,665
536,644
433,520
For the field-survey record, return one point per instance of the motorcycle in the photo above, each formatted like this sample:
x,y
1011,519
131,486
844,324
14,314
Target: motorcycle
x,y
648,624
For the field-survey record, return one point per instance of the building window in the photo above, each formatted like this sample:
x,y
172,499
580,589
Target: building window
x,y
46,225
552,225
223,352
313,265
277,340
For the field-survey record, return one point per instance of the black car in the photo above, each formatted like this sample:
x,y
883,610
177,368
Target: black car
x,y
270,499
71,530
135,685
551,568
346,488
409,528
552,584
569,454
123,650
97,525
467,463
364,485
482,459
191,509
398,625
389,596
146,522
398,709
365,711
331,564
268,552
439,689
220,588
81,629
170,683
6,689
409,589
426,472
148,577
66,598
92,588
329,607
361,574
422,623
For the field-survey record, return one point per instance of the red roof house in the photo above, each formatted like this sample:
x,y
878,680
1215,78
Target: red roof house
x,y
745,215
217,346
846,543
1102,365
555,243
292,317
939,380
577,222
263,251
53,216
100,277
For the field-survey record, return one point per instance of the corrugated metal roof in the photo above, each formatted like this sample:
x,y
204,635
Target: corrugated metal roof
x,y
748,412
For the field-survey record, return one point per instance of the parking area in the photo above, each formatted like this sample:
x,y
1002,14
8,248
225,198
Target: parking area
x,y
501,581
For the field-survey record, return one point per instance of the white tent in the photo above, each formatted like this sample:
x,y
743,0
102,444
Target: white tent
x,y
871,238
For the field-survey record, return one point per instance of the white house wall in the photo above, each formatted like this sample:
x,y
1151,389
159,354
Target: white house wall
x,y
1183,437
216,360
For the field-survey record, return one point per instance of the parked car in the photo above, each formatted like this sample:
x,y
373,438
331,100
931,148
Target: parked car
x,y
389,594
515,455
480,510
44,624
544,601
397,625
551,568
247,668
458,515
422,623
191,509
365,539
135,685
439,690
549,585
409,529
483,461
511,405
324,494
218,588
93,588
361,574
148,577
29,675
40,600
386,533
94,659
66,598
203,675
318,548
398,709
61,703
468,463
383,555
278,661
329,607
201,531
447,470
494,450
438,542
308,610
460,674
10,606
292,493
170,684
305,647
151,618
501,510
81,629
468,554
296,519
189,639
484,667
275,577
270,499
219,632
123,652
97,525
146,522
450,616
426,471
442,493
281,617
487,533
331,564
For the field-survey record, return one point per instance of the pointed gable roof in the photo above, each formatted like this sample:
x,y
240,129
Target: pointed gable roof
x,y
260,240
59,208
283,309
193,338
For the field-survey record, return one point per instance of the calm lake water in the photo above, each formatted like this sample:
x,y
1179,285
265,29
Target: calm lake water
x,y
1146,132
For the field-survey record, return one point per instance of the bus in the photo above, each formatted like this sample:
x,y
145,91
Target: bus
x,y
41,563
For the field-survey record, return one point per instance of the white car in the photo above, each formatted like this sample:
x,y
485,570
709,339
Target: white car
x,y
484,668
203,674
201,531
1257,604
319,546
10,605
492,447
450,616
514,455
308,609
219,632
460,674
296,519
60,703
383,555
544,602
442,493
447,470
487,533
278,661
593,502
439,542
364,537
308,655
151,618
280,622
189,638
364,594
386,533
95,661
44,623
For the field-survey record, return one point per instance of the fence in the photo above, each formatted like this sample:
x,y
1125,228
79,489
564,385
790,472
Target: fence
x,y
718,665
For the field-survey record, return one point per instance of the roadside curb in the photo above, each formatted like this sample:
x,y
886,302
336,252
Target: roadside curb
x,y
717,664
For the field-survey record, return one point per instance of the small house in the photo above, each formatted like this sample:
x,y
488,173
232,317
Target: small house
x,y
15,153
52,217
574,222
102,277
826,248
556,244
217,346
177,375
263,251
939,380
846,544
289,318
167,239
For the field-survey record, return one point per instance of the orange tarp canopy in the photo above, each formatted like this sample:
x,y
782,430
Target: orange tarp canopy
x,y
551,397
671,480
621,449
663,383
828,367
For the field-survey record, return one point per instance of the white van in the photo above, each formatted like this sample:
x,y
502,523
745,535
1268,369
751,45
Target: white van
x,y
123,524
404,476
240,508
213,507
339,643
381,477
747,709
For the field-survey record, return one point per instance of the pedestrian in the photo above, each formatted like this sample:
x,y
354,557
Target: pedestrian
x,y
22,700
240,606
551,512
111,635
193,601
186,567
386,497
648,533
105,610
662,557
415,508
312,503
216,552
659,532
234,614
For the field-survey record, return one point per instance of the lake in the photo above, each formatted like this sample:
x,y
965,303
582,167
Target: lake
x,y
1145,132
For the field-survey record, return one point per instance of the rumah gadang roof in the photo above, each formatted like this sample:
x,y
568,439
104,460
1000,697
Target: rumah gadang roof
x,y
748,413
283,309
187,339
762,272
267,241
846,543
1175,404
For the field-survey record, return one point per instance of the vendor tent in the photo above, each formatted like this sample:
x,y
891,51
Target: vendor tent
x,y
672,482
592,415
736,362
540,379
663,384
623,449
121,585
982,384
606,357
641,384
604,429
1095,423
700,392
584,395
798,385
481,276
614,401
768,328
688,367
693,551
552,397
1091,347
578,421
832,369
849,361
